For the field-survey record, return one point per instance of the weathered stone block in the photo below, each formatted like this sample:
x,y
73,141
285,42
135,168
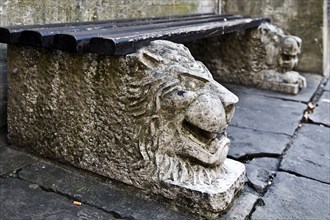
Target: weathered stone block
x,y
308,19
262,57
155,119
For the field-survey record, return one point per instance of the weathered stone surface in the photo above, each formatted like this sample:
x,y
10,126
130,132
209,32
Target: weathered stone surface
x,y
327,86
125,202
309,155
21,200
298,17
292,197
48,11
267,114
242,207
3,86
150,118
262,57
321,113
266,163
250,143
219,195
11,160
3,116
258,178
313,81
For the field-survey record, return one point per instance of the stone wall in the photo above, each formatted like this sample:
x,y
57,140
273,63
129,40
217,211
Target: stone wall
x,y
303,18
49,11
24,12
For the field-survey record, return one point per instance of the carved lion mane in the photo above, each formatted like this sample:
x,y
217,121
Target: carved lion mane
x,y
180,114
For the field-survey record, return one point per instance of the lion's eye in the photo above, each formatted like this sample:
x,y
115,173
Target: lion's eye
x,y
181,93
192,83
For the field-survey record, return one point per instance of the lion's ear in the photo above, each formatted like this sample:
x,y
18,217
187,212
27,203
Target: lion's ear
x,y
298,39
149,59
263,30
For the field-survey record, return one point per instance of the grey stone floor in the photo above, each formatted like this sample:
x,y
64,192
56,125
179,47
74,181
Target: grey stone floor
x,y
284,141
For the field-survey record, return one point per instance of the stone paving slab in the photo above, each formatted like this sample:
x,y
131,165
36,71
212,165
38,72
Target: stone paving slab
x,y
21,200
123,202
313,81
267,114
309,155
242,207
251,143
259,179
12,160
321,113
292,197
267,163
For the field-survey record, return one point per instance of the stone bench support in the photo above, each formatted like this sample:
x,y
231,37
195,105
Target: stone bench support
x,y
262,57
154,119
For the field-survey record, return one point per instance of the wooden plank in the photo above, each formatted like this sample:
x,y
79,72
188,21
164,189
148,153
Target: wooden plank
x,y
44,36
79,41
10,34
120,37
122,44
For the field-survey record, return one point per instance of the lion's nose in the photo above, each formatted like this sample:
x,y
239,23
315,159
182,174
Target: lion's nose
x,y
228,99
208,113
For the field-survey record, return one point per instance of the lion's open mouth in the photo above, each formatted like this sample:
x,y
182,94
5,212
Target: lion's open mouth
x,y
200,134
211,147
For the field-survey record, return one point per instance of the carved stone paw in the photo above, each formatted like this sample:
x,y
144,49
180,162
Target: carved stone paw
x,y
289,82
293,77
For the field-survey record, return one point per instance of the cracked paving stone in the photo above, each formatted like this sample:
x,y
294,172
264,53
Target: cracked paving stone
x,y
267,114
21,200
309,155
321,113
242,207
12,160
124,202
250,143
313,81
266,163
292,197
258,178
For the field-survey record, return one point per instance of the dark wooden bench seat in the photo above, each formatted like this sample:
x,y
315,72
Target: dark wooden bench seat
x,y
120,37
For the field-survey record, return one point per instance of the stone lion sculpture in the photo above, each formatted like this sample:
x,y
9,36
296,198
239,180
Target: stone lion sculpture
x,y
262,57
187,115
155,119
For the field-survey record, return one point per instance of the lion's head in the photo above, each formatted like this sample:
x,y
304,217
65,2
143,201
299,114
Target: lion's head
x,y
181,113
281,50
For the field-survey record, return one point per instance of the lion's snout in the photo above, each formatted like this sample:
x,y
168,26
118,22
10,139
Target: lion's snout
x,y
211,112
207,113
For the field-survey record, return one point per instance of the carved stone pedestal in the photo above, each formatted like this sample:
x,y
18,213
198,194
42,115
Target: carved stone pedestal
x,y
209,200
155,119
